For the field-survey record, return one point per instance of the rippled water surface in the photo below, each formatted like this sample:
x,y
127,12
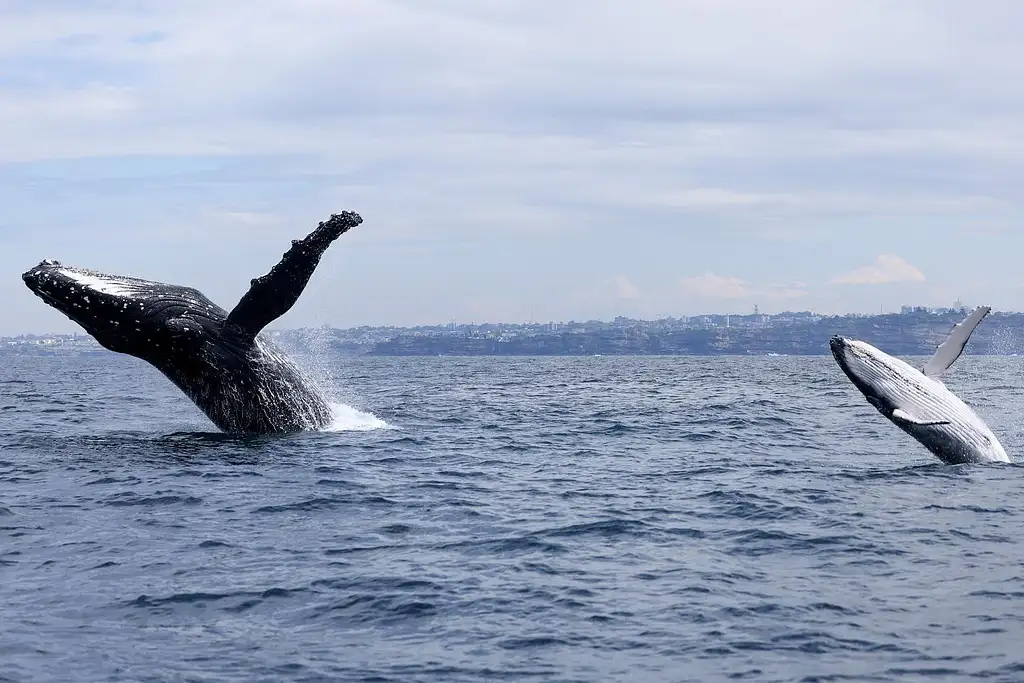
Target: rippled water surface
x,y
585,519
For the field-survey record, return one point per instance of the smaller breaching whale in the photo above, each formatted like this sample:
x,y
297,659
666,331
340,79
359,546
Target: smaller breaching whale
x,y
236,376
917,401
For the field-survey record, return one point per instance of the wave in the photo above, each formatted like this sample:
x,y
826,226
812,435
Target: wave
x,y
345,418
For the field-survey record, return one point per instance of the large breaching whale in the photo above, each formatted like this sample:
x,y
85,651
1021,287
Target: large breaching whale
x,y
917,401
240,379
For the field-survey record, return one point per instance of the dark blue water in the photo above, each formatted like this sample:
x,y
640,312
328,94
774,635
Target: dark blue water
x,y
587,519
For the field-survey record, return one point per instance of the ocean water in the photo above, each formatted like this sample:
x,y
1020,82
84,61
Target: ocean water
x,y
486,519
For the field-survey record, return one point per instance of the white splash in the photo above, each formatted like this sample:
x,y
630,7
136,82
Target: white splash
x,y
345,418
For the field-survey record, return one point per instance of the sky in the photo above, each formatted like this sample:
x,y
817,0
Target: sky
x,y
519,160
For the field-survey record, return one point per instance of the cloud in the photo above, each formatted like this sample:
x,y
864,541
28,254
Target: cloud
x,y
712,287
691,295
476,135
887,269
610,297
622,288
692,79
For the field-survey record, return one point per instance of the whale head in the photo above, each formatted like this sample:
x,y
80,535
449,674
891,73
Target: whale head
x,y
854,354
881,378
125,314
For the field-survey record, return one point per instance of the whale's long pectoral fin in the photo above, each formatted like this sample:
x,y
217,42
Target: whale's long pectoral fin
x,y
950,350
903,416
272,295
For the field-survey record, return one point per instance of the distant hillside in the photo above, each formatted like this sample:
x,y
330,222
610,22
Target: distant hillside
x,y
904,335
915,333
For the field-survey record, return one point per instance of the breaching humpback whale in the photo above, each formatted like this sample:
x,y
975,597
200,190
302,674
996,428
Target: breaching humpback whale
x,y
220,360
917,401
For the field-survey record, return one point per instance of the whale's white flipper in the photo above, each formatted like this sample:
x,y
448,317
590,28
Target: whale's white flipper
x,y
950,350
903,416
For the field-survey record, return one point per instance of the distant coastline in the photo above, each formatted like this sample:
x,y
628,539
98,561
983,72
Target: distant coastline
x,y
916,331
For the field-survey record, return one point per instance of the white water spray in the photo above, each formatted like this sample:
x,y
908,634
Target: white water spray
x,y
316,365
345,418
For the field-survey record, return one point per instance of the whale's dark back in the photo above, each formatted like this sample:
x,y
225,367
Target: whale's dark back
x,y
249,388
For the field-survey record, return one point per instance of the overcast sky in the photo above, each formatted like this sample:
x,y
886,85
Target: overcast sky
x,y
520,159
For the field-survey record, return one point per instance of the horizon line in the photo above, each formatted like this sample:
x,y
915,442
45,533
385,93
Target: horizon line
x,y
937,310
